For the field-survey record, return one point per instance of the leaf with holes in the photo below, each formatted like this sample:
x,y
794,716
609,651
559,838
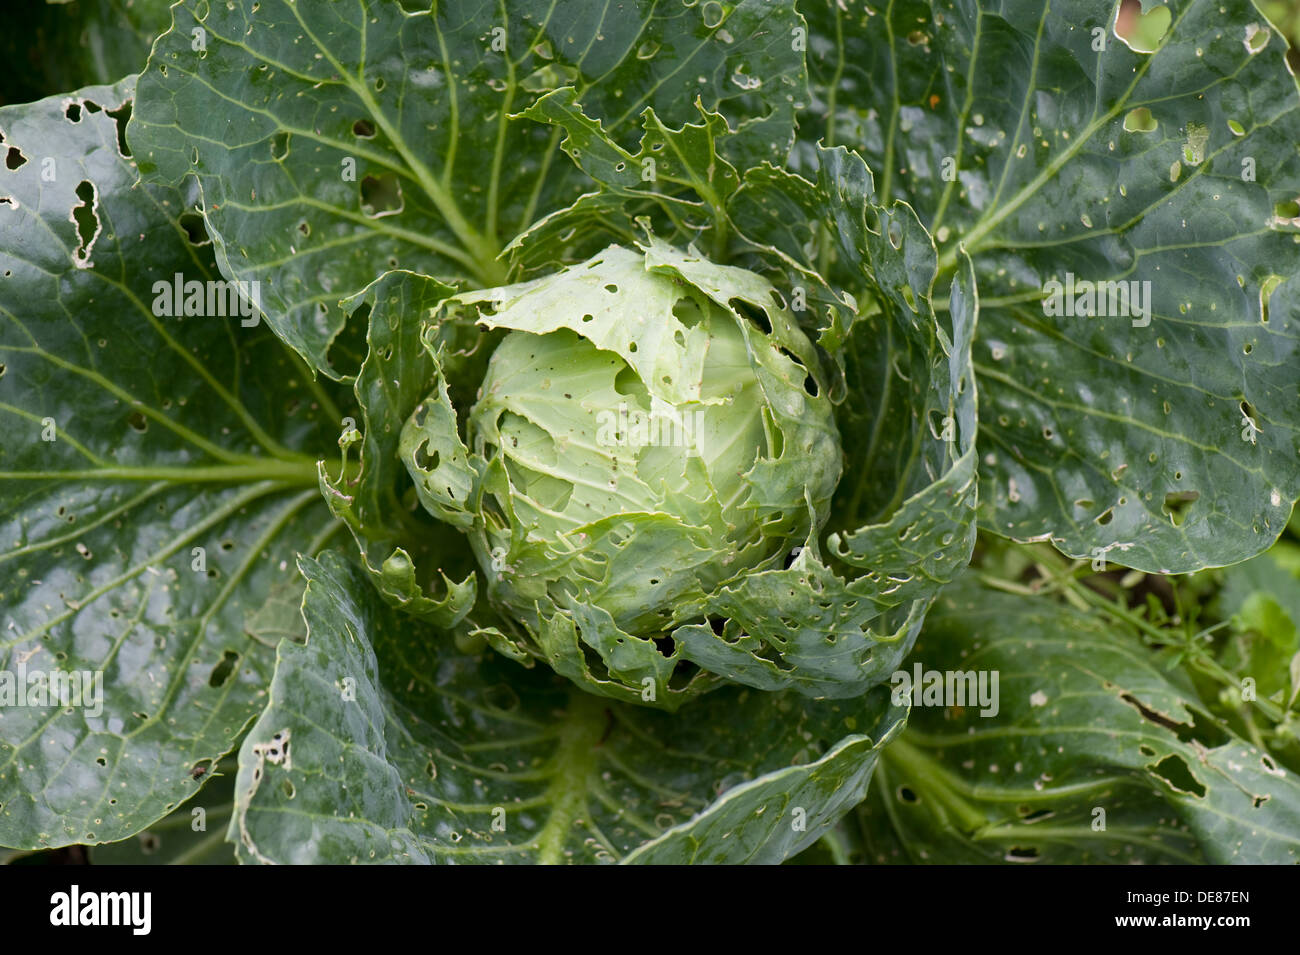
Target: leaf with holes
x,y
1126,189
649,568
365,137
1084,750
381,744
194,833
156,480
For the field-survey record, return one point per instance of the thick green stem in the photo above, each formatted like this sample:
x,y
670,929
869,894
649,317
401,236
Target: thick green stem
x,y
931,779
572,766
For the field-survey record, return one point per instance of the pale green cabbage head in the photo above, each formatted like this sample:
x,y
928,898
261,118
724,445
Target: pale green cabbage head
x,y
652,427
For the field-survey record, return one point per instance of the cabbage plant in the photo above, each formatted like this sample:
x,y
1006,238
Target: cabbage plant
x,y
680,432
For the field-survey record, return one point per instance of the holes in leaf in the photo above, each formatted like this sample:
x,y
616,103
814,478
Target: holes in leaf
x,y
872,220
1173,770
1266,290
629,384
494,515
909,297
1140,120
1106,516
631,347
895,233
688,312
195,230
611,288
809,382
87,222
287,788
754,315
778,437
1141,32
349,348
381,195
14,158
906,795
1021,854
588,318
1177,504
138,422
73,112
1248,413
1206,734
713,14
1236,128
304,228
380,83
1287,209
1257,37
363,129
280,146
424,460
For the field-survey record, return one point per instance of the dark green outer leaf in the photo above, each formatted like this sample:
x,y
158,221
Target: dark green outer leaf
x,y
169,434
396,375
420,102
434,746
1087,721
1113,440
194,834
903,518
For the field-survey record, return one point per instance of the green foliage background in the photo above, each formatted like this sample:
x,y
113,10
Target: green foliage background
x,y
1200,633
